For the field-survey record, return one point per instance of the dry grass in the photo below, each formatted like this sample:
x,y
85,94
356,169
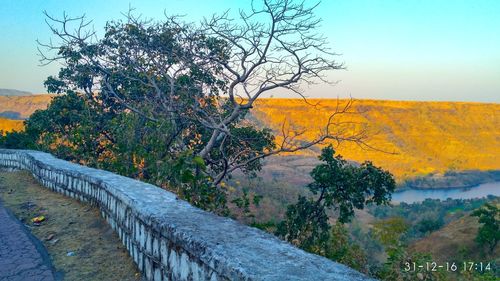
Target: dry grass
x,y
455,242
8,125
99,254
428,137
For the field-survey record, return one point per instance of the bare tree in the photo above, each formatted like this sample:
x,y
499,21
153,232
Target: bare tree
x,y
276,47
209,74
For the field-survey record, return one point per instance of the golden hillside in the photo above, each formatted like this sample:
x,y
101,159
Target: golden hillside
x,y
23,105
428,137
7,125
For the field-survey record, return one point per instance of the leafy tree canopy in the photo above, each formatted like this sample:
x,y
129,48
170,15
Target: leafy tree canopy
x,y
198,81
337,185
489,233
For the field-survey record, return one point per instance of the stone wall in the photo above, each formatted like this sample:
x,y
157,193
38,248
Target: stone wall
x,y
170,239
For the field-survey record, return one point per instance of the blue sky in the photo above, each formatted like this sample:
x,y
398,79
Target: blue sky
x,y
403,50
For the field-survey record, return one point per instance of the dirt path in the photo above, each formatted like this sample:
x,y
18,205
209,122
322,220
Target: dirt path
x,y
80,243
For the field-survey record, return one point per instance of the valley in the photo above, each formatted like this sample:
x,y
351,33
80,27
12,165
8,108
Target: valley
x,y
426,145
410,139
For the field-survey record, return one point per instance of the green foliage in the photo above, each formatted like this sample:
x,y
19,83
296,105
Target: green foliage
x,y
15,140
341,249
244,202
246,142
344,187
189,181
429,225
399,259
340,186
319,237
67,128
427,216
489,233
389,233
480,276
168,74
80,130
306,224
123,110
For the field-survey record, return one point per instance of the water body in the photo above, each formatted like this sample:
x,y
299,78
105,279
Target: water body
x,y
419,195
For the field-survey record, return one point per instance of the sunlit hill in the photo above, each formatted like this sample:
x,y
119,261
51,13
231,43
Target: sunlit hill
x,y
421,137
408,138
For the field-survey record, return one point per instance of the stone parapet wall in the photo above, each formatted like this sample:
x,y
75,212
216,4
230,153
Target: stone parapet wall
x,y
168,238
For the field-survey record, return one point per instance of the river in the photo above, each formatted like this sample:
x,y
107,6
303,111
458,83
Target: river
x,y
419,195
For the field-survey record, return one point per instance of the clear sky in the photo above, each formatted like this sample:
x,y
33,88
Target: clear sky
x,y
404,50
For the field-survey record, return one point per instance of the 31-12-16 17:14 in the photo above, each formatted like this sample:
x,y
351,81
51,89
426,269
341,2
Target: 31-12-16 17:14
x,y
449,266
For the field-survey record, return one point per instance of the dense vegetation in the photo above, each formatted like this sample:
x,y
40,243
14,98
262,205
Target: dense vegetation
x,y
489,232
429,215
124,143
75,129
161,102
415,165
169,103
339,186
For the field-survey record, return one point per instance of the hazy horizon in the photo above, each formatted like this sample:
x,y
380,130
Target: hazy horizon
x,y
393,50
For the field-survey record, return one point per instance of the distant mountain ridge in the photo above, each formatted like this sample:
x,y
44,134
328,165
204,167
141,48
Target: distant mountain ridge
x,y
14,93
427,137
21,107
